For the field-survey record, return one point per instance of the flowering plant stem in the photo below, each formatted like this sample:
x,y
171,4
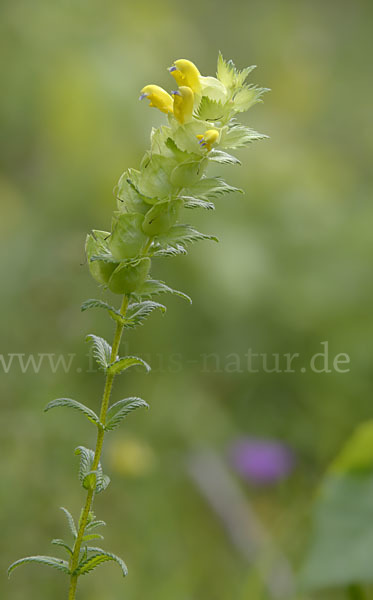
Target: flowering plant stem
x,y
202,126
99,443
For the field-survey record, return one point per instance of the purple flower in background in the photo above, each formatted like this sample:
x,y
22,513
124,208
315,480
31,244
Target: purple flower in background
x,y
262,461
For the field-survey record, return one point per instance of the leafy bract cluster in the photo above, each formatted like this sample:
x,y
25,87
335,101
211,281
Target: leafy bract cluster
x,y
202,127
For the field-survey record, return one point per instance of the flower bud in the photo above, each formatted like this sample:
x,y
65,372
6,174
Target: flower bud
x,y
208,138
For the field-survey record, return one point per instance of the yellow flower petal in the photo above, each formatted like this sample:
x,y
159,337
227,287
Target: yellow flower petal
x,y
208,138
158,97
183,104
186,74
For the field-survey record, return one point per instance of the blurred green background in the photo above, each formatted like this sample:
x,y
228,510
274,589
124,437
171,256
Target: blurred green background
x,y
293,269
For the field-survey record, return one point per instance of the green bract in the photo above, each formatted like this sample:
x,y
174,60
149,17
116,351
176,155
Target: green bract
x,y
127,238
100,261
148,223
129,276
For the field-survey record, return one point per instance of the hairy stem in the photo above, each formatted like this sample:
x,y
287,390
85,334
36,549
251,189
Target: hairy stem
x,y
100,439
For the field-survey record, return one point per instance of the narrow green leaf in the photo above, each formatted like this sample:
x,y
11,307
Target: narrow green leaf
x,y
86,461
49,561
169,251
210,187
137,313
127,406
101,350
93,303
179,236
124,363
92,536
95,524
63,544
102,481
190,202
223,157
152,287
90,414
98,558
70,521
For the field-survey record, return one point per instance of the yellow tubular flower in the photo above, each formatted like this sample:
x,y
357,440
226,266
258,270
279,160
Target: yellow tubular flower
x,y
183,104
208,138
158,97
186,73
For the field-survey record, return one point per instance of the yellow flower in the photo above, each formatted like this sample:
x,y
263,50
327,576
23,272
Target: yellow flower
x,y
131,457
158,97
183,104
208,138
186,73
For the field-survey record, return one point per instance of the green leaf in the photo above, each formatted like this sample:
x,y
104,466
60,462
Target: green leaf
x,y
94,524
247,96
98,558
229,75
124,363
137,313
237,136
90,414
63,544
93,303
190,202
169,251
153,287
49,561
102,481
342,540
178,236
70,521
92,536
210,187
357,454
223,157
89,478
89,481
211,110
86,461
125,407
101,350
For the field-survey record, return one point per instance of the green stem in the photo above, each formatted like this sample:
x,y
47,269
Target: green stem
x,y
100,439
